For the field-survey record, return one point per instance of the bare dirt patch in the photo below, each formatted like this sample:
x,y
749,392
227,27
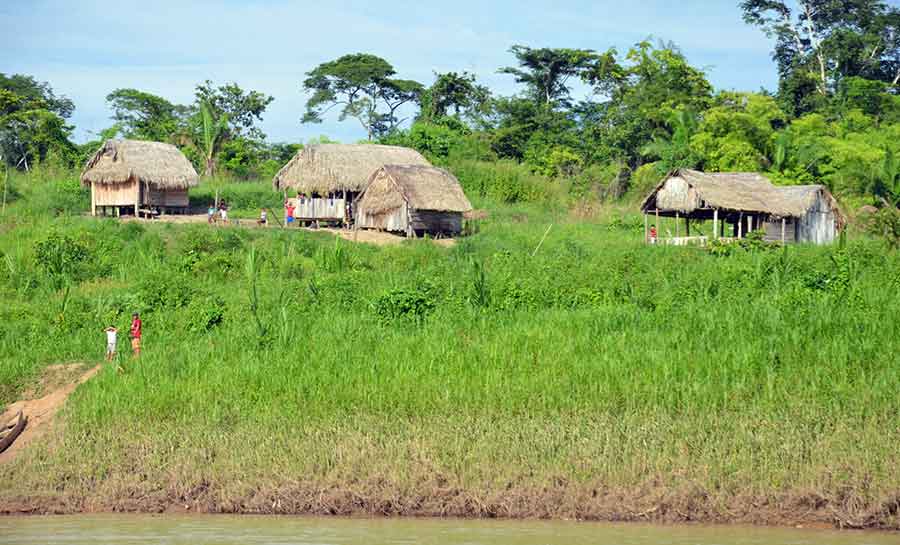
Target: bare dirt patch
x,y
43,401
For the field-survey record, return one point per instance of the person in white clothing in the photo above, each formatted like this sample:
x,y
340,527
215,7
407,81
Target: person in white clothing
x,y
111,333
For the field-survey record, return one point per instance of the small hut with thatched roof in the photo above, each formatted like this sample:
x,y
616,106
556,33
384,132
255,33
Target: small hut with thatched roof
x,y
747,201
412,199
328,177
135,176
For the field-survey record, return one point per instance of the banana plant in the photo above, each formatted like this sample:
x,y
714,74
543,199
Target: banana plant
x,y
214,132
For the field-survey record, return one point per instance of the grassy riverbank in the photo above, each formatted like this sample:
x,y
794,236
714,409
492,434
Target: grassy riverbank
x,y
596,378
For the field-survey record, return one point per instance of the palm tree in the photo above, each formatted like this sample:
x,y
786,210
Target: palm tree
x,y
214,133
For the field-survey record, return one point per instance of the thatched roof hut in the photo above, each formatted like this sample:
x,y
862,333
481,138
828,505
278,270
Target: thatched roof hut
x,y
138,174
412,199
325,169
160,165
811,211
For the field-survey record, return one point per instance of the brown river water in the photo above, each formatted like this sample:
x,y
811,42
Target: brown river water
x,y
251,530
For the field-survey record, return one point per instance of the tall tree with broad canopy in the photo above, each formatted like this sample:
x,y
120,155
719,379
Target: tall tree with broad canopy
x,y
363,86
32,122
243,109
456,94
145,116
546,71
818,43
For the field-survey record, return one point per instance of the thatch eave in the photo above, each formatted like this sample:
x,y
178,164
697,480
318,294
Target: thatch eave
x,y
155,164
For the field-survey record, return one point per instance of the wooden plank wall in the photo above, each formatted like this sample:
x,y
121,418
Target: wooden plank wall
x,y
319,208
430,221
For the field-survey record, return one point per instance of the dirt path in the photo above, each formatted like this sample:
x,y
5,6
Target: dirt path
x,y
58,382
378,238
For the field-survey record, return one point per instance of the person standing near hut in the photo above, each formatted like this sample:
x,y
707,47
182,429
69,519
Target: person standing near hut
x,y
289,212
211,214
136,333
653,235
111,341
263,217
223,212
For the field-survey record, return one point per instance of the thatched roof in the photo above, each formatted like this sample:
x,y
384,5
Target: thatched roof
x,y
422,187
327,168
154,163
686,190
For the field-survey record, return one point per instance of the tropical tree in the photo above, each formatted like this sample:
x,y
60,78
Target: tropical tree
x,y
243,109
455,94
214,132
145,116
363,86
818,43
546,72
32,122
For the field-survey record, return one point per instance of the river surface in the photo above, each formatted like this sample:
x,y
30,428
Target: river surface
x,y
250,530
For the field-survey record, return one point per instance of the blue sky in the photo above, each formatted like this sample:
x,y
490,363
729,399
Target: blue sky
x,y
87,48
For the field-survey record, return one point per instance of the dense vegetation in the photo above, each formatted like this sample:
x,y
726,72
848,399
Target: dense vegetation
x,y
287,371
587,376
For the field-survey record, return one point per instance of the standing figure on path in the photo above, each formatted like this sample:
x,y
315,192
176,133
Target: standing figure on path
x,y
223,212
288,212
211,214
653,234
136,334
263,217
111,333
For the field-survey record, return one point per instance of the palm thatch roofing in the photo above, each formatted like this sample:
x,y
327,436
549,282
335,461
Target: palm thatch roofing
x,y
687,190
422,187
153,163
330,168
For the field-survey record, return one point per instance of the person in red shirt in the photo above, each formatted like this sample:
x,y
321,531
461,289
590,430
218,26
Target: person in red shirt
x,y
289,212
136,334
653,234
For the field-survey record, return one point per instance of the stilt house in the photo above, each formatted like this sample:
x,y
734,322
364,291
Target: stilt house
x,y
746,202
135,177
327,178
414,200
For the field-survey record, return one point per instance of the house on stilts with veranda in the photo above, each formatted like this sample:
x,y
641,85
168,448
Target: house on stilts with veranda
x,y
137,177
322,181
738,204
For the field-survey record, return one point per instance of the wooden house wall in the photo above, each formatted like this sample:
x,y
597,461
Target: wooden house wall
x,y
395,219
773,230
818,226
320,208
114,194
431,221
166,198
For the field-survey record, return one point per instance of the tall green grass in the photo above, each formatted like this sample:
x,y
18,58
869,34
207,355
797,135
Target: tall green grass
x,y
596,359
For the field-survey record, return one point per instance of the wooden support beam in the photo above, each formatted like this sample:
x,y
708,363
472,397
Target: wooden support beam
x,y
749,224
783,234
716,223
740,226
677,220
646,228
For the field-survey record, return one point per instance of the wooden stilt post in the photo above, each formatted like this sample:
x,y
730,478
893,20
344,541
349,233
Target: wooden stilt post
x,y
93,201
687,226
740,226
646,228
677,221
749,224
716,223
783,234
